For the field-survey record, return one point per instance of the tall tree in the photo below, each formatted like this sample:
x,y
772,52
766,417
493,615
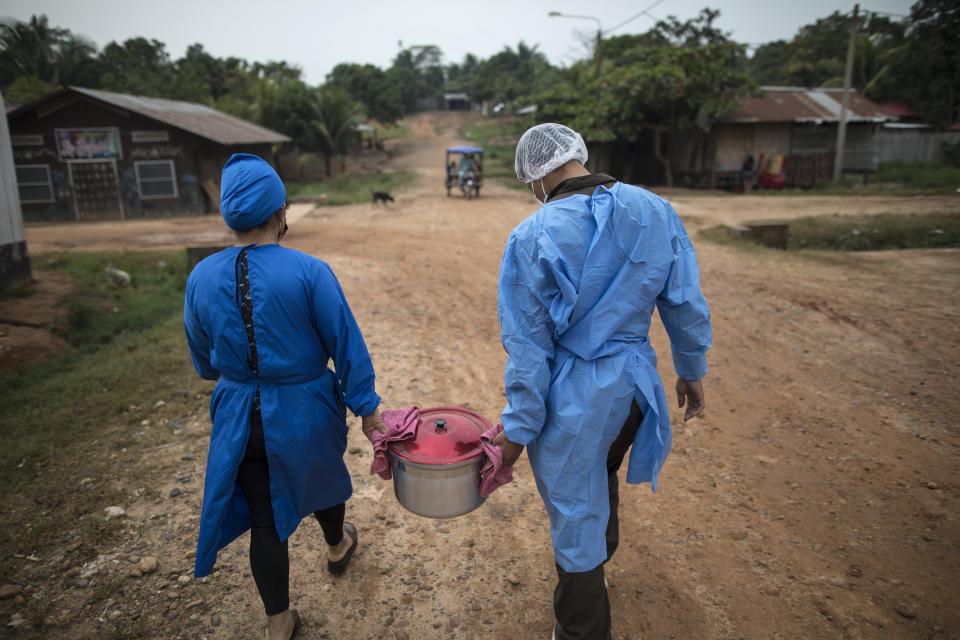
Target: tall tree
x,y
336,123
369,85
817,54
680,76
508,75
137,66
925,70
37,57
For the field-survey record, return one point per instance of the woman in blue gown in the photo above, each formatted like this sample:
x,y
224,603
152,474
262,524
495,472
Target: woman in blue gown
x,y
264,321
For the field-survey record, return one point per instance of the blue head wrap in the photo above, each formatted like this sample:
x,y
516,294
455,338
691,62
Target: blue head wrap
x,y
250,191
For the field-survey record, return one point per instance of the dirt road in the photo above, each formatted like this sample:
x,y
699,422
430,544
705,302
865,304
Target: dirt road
x,y
817,498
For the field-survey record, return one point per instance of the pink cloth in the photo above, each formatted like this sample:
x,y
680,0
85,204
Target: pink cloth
x,y
493,474
401,425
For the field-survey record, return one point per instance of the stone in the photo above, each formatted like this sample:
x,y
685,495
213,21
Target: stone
x,y
401,635
512,579
159,404
81,583
90,569
174,492
114,512
148,564
10,590
453,622
184,579
19,600
906,609
136,573
16,620
215,620
85,481
115,614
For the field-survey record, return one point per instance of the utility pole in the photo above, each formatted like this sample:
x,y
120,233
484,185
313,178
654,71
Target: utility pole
x,y
845,104
597,52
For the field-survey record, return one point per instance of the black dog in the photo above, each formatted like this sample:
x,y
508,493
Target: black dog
x,y
382,196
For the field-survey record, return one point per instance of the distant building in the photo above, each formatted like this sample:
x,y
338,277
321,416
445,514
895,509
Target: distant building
x,y
84,154
14,261
796,129
457,102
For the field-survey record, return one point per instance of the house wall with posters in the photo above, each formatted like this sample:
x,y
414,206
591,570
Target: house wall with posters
x,y
92,155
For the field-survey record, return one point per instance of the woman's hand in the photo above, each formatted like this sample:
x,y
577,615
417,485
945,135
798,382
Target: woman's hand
x,y
373,422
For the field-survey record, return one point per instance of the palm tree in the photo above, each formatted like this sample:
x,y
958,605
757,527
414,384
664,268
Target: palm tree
x,y
339,114
34,49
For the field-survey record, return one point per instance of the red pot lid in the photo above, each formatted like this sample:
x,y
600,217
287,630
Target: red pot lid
x,y
446,435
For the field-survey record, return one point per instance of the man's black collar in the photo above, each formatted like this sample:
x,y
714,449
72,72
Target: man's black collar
x,y
580,183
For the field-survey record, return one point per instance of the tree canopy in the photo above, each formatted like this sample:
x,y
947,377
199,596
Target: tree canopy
x,y
674,78
677,76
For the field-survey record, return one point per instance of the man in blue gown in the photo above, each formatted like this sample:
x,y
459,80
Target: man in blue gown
x,y
579,281
264,321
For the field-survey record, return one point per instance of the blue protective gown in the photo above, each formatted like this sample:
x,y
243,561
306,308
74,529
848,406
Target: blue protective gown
x,y
578,284
300,321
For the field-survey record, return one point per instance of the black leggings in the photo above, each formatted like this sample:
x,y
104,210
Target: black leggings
x,y
269,560
580,600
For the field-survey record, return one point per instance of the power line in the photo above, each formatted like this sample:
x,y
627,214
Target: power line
x,y
635,16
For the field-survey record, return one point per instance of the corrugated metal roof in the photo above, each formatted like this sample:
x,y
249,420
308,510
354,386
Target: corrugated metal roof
x,y
795,104
196,118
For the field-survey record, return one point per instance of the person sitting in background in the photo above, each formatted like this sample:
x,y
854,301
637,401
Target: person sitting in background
x,y
467,165
263,321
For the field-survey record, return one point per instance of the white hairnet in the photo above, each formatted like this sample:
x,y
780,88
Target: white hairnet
x,y
546,147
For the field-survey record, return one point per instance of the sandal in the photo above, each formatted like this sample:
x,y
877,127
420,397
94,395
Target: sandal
x,y
338,567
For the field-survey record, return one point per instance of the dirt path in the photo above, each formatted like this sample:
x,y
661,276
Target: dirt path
x,y
817,498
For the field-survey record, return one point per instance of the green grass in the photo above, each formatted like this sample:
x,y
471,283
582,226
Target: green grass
x,y
919,176
399,130
98,311
350,189
859,233
70,416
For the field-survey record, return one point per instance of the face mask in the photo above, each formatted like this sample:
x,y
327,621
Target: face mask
x,y
543,191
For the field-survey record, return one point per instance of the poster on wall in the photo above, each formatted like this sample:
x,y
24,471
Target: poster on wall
x,y
88,144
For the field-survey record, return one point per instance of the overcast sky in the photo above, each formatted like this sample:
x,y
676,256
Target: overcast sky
x,y
317,34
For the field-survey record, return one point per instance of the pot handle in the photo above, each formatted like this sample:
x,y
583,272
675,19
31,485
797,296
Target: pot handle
x,y
441,425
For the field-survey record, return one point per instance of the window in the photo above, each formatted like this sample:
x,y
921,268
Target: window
x,y
150,136
33,183
27,140
156,179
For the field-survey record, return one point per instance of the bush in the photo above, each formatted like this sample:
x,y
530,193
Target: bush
x,y
920,176
859,233
952,152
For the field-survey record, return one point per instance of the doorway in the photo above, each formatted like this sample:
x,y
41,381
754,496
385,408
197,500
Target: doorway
x,y
96,190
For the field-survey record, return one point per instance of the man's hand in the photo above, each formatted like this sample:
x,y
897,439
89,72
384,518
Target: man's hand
x,y
511,450
691,393
373,422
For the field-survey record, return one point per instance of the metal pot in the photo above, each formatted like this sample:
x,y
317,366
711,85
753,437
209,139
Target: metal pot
x,y
437,474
